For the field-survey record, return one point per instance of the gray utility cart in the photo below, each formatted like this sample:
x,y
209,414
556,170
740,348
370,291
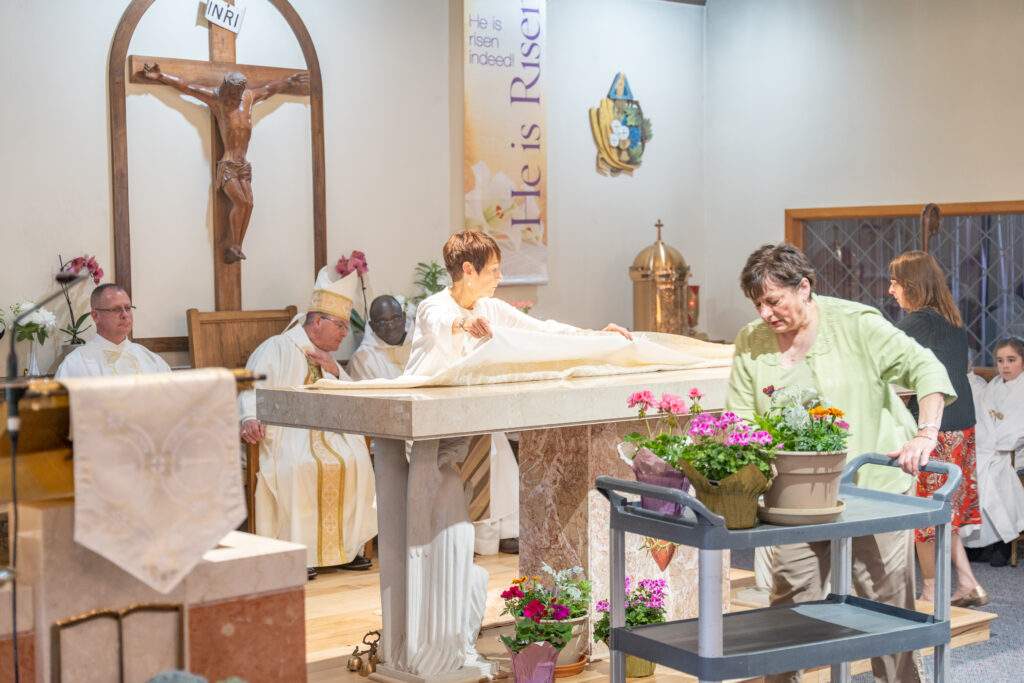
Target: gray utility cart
x,y
837,630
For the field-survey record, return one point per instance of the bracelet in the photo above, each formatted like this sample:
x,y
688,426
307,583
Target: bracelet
x,y
927,425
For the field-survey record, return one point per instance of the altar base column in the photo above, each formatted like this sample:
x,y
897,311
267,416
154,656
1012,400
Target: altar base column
x,y
432,594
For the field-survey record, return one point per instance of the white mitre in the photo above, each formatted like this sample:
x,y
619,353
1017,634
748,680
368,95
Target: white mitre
x,y
333,294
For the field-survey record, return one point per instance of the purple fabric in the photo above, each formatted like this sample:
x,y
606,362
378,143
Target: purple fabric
x,y
650,469
535,663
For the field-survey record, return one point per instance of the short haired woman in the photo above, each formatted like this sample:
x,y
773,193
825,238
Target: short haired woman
x,y
851,355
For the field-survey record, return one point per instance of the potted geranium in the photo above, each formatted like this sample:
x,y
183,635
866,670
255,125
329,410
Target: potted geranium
x,y
810,438
541,629
572,589
653,455
725,458
645,604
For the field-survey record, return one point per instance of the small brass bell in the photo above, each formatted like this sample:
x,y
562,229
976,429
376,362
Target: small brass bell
x,y
372,661
355,662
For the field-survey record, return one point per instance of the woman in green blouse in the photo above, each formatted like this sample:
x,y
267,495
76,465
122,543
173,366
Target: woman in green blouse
x,y
852,356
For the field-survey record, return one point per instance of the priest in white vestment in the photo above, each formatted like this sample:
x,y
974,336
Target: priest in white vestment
x,y
999,435
315,488
384,350
110,352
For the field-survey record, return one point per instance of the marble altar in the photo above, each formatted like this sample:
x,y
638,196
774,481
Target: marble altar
x,y
416,509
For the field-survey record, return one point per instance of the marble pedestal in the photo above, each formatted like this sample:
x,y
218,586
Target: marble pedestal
x,y
563,519
244,608
415,512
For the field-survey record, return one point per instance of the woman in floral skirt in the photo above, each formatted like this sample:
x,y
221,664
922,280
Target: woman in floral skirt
x,y
919,287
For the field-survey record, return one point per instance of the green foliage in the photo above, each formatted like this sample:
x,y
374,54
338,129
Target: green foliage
x,y
645,604
801,420
646,131
30,331
529,632
357,322
716,461
431,278
571,589
668,447
76,329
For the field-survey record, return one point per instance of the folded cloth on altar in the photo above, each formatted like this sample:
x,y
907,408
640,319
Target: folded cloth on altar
x,y
515,355
157,479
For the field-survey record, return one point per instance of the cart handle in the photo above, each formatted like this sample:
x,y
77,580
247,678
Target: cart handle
x,y
952,472
608,486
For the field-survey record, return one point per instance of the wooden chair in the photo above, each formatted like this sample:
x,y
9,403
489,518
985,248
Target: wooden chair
x,y
227,339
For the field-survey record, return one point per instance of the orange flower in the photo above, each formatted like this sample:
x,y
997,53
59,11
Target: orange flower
x,y
819,412
520,580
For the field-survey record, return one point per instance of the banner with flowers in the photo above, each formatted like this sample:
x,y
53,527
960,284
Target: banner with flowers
x,y
505,156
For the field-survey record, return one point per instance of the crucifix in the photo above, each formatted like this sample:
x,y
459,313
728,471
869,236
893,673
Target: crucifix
x,y
230,90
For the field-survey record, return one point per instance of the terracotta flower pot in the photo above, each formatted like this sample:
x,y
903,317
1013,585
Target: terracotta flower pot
x,y
734,497
638,668
535,663
805,488
663,554
650,469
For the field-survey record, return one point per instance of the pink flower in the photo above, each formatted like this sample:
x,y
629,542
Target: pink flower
x,y
534,610
644,399
762,437
672,404
512,593
559,612
356,262
695,394
738,439
602,606
842,424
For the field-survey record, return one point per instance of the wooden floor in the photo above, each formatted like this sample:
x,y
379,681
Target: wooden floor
x,y
341,607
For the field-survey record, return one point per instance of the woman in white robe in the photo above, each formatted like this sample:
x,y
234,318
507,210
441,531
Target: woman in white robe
x,y
1000,445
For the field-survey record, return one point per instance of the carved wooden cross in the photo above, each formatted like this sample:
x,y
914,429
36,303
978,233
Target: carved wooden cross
x,y
227,276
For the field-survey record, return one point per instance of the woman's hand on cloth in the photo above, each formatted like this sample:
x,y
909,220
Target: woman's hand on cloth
x,y
612,327
915,454
478,327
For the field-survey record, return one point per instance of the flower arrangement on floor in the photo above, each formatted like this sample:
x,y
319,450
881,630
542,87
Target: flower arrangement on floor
x,y
572,589
542,626
810,437
356,262
77,324
725,458
539,614
645,604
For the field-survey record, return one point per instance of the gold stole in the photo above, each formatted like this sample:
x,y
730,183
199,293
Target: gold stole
x,y
330,490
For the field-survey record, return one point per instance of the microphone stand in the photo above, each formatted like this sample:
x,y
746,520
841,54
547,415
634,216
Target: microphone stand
x,y
12,395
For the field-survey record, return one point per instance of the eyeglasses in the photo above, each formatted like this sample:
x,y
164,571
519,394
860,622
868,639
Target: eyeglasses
x,y
126,310
343,326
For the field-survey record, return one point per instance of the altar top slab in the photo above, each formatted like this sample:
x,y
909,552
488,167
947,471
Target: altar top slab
x,y
436,412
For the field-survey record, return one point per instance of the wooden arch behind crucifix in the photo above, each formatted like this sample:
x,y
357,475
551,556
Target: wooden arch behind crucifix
x,y
227,275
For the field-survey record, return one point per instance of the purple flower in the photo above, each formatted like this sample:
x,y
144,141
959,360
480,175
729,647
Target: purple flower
x,y
602,606
738,439
559,612
762,437
842,424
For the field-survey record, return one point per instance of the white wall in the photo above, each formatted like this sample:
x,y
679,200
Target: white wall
x,y
385,69
846,103
392,89
599,224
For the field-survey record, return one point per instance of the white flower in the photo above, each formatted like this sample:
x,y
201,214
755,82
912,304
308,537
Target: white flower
x,y
489,207
42,317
